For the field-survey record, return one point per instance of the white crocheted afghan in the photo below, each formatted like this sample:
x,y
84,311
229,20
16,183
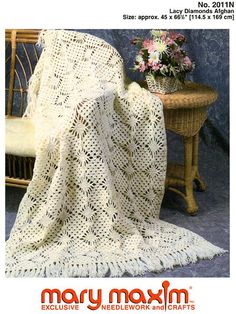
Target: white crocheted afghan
x,y
92,207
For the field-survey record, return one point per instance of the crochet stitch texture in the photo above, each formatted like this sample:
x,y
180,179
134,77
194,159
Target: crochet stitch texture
x,y
92,207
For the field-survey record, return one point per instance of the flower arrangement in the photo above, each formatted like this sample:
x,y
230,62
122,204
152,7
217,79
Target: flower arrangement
x,y
163,55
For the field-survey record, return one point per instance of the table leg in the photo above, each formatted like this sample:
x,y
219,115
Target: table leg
x,y
201,186
189,159
185,175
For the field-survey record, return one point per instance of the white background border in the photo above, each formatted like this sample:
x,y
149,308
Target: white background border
x,y
211,295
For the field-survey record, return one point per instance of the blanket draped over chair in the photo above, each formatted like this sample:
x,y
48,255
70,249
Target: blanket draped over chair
x,y
92,207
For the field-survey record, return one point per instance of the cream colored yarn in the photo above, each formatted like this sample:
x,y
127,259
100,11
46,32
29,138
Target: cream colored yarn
x,y
92,208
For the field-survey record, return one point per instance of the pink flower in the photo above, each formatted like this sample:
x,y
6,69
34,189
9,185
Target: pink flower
x,y
187,62
163,47
142,67
177,54
176,36
168,41
149,45
156,66
181,37
164,37
173,35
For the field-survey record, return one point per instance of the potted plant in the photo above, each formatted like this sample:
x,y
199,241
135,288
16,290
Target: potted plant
x,y
163,61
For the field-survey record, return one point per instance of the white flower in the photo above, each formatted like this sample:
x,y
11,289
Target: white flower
x,y
157,33
139,59
160,46
154,57
136,67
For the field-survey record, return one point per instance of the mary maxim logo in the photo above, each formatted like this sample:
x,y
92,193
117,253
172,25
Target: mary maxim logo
x,y
164,299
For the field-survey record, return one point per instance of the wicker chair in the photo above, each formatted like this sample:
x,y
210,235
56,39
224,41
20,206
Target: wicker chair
x,y
21,57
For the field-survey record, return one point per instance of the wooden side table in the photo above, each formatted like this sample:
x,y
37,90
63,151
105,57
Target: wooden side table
x,y
185,112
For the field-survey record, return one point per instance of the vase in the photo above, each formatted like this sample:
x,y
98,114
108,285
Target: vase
x,y
163,84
